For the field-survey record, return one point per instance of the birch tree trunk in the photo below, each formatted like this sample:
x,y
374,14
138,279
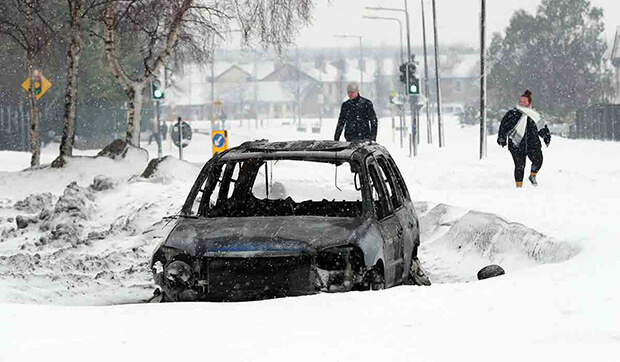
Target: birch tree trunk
x,y
134,88
32,102
134,110
73,61
117,71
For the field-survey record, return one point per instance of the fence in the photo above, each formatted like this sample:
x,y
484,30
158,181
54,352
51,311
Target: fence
x,y
598,123
14,128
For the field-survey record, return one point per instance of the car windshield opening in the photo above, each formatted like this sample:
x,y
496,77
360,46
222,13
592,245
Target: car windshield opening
x,y
263,187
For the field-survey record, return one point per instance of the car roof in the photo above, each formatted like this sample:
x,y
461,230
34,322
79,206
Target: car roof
x,y
310,150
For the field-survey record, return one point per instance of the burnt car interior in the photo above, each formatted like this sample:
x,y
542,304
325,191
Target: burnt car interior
x,y
246,188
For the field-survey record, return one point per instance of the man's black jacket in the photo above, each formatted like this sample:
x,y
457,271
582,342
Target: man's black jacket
x,y
358,119
530,139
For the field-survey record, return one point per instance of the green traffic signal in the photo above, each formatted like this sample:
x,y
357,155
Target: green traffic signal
x,y
158,94
156,90
414,86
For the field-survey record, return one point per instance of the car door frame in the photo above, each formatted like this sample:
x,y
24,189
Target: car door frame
x,y
412,221
389,227
404,212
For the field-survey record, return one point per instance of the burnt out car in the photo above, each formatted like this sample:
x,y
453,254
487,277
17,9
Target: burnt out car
x,y
291,218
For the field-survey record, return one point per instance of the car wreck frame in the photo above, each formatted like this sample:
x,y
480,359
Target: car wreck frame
x,y
241,247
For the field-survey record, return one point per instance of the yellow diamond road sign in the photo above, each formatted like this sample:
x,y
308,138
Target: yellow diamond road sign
x,y
41,86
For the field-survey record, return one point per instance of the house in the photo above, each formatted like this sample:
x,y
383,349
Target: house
x,y
305,88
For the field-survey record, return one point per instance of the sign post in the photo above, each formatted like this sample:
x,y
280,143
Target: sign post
x,y
181,134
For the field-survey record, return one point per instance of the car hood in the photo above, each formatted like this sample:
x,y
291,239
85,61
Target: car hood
x,y
255,236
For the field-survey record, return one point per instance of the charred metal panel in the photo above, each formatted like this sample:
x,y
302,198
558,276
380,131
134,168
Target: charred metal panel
x,y
241,278
197,236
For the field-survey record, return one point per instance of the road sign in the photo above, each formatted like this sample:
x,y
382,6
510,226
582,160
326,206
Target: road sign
x,y
186,134
219,141
41,84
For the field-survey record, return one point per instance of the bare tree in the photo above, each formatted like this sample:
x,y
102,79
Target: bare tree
x,y
25,22
73,61
155,22
162,27
78,11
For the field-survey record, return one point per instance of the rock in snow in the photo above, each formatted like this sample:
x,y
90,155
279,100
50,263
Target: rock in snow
x,y
34,203
101,183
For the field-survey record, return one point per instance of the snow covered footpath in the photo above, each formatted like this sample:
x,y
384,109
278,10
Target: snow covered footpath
x,y
64,289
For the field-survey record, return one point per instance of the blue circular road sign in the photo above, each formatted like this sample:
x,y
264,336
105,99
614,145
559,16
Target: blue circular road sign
x,y
218,140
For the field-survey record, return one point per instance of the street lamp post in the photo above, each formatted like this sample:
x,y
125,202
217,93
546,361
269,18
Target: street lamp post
x,y
440,134
429,130
361,65
411,100
408,58
483,82
400,28
402,60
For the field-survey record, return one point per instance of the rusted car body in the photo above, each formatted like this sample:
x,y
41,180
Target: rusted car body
x,y
245,234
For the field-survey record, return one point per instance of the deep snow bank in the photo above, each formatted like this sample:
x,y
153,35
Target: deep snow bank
x,y
92,244
456,243
87,234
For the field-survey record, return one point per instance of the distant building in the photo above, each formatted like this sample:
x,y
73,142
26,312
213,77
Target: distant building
x,y
308,88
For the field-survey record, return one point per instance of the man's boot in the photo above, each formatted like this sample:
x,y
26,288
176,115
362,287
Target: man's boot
x,y
532,179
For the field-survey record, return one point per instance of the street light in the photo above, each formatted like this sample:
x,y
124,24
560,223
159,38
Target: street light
x,y
412,101
400,27
406,19
361,56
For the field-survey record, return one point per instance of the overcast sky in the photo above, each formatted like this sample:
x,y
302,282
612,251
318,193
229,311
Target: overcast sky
x,y
458,21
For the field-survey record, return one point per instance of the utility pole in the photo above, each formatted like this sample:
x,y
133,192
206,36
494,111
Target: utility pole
x,y
442,140
429,125
411,99
483,83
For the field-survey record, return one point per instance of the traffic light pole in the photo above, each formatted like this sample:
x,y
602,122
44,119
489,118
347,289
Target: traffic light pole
x,y
159,128
411,101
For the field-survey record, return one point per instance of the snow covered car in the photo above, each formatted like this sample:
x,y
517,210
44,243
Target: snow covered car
x,y
291,218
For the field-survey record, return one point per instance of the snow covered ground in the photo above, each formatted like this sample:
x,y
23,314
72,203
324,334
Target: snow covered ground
x,y
71,281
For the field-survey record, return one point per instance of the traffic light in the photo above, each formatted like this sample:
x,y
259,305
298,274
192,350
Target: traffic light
x,y
413,88
413,84
157,91
403,73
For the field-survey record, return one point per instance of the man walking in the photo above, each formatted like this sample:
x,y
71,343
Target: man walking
x,y
357,117
519,126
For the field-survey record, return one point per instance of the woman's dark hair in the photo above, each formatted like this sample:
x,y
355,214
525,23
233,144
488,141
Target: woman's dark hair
x,y
527,94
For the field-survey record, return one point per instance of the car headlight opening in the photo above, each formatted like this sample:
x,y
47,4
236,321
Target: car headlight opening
x,y
180,272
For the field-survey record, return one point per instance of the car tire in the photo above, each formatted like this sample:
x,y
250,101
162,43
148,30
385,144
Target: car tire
x,y
417,276
375,278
